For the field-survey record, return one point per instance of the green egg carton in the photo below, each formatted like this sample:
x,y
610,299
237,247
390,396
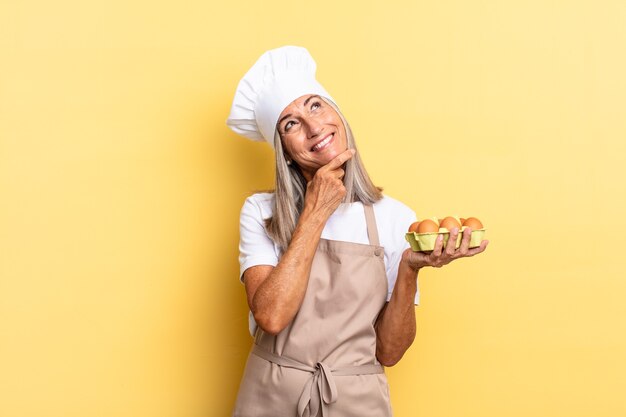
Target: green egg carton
x,y
421,242
477,237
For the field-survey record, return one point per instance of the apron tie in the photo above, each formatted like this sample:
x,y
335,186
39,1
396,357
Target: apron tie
x,y
320,390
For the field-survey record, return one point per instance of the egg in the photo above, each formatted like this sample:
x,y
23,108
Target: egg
x,y
450,223
413,227
427,226
473,223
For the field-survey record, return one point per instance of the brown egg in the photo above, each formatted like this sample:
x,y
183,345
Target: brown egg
x,y
462,220
473,223
450,223
413,227
427,226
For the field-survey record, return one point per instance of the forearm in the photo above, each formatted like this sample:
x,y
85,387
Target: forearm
x,y
396,327
278,298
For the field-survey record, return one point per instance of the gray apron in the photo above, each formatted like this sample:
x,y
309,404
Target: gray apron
x,y
324,362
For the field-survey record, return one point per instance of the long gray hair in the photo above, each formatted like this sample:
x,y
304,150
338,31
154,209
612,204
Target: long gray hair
x,y
291,186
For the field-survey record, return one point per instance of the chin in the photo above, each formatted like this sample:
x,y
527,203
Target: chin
x,y
323,157
330,155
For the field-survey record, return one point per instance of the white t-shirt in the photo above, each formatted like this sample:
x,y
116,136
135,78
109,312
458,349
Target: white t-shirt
x,y
347,223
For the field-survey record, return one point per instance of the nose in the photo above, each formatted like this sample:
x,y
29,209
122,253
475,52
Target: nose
x,y
314,127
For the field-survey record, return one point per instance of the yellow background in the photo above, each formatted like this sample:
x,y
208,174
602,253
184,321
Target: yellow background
x,y
121,186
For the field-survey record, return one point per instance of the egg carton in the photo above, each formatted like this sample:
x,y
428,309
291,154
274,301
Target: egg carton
x,y
426,241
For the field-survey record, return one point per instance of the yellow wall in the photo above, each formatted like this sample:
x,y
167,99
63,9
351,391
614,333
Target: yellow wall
x,y
121,187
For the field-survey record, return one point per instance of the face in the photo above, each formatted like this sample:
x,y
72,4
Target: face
x,y
312,133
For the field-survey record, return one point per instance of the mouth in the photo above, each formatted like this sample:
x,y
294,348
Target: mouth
x,y
324,143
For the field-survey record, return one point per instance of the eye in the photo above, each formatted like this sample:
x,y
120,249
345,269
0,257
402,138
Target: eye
x,y
287,125
316,103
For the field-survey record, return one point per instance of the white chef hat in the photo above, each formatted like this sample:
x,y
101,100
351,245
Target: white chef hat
x,y
276,79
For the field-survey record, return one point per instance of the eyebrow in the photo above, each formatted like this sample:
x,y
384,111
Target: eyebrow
x,y
289,115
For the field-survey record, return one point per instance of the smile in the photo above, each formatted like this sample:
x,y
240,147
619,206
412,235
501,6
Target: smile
x,y
323,143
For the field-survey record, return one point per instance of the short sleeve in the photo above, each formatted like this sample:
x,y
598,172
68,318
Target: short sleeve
x,y
255,245
399,245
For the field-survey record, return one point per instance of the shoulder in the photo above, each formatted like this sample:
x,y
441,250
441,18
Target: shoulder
x,y
393,219
258,205
391,208
255,245
260,199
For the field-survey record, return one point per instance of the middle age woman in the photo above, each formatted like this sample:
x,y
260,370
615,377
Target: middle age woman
x,y
331,283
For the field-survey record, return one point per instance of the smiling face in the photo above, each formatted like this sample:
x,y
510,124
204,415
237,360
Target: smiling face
x,y
312,133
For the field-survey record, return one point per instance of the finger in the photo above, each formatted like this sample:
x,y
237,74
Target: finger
x,y
438,247
475,251
339,160
451,245
465,240
339,173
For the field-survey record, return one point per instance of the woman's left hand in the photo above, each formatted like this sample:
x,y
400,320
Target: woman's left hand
x,y
439,256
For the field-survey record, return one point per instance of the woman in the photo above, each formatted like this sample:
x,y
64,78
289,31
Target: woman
x,y
330,281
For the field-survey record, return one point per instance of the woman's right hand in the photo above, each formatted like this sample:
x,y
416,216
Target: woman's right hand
x,y
326,191
276,293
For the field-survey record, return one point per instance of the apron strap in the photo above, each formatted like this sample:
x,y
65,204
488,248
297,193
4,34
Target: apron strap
x,y
370,219
320,389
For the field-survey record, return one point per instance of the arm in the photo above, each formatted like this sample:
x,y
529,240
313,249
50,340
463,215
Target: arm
x,y
395,327
276,293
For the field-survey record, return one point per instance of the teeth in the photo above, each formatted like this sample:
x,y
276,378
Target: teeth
x,y
322,143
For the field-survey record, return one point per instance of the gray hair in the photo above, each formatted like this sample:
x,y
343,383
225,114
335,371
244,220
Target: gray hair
x,y
288,200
